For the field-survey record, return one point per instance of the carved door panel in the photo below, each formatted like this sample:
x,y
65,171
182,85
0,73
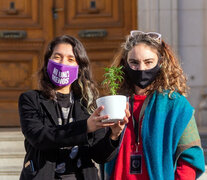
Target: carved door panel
x,y
100,25
25,28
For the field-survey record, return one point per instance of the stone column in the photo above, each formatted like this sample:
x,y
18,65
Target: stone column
x,y
160,16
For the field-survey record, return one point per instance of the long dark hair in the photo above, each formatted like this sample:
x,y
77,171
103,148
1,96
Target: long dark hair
x,y
84,87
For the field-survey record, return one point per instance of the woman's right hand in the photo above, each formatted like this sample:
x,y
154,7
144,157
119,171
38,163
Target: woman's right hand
x,y
94,122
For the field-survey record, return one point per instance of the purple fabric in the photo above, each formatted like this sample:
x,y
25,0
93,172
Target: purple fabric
x,y
60,74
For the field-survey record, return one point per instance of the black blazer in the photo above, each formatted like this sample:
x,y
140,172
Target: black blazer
x,y
44,137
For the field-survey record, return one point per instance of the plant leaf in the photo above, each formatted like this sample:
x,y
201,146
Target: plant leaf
x,y
112,76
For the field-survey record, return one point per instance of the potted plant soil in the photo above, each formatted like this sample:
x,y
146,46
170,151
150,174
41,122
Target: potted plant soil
x,y
114,105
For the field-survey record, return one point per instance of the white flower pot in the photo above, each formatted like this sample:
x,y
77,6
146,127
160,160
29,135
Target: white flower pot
x,y
114,106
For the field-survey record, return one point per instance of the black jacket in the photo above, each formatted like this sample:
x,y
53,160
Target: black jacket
x,y
44,137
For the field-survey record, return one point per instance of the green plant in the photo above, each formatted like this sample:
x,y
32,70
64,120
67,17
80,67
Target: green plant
x,y
113,76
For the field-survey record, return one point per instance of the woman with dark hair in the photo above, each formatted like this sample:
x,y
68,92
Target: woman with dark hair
x,y
63,129
161,140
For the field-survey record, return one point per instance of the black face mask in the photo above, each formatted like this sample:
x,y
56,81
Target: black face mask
x,y
142,78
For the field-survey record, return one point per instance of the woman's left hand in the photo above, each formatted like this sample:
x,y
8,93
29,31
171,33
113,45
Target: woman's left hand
x,y
118,127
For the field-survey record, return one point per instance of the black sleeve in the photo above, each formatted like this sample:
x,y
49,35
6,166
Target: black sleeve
x,y
48,137
104,149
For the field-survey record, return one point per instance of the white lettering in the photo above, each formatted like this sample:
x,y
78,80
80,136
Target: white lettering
x,y
54,78
63,74
68,74
60,80
55,71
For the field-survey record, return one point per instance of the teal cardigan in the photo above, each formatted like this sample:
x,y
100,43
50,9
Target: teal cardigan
x,y
165,120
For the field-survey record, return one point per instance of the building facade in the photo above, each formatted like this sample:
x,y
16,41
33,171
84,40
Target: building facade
x,y
183,25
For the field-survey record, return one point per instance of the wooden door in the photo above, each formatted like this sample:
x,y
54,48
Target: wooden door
x,y
100,25
26,27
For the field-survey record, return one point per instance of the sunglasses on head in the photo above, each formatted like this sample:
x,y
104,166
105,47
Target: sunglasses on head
x,y
154,35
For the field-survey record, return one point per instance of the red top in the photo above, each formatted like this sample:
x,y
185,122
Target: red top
x,y
128,148
185,171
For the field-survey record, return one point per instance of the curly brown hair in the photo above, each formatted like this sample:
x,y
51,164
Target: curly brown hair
x,y
84,87
170,77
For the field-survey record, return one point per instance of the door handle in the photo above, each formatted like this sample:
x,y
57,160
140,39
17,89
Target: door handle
x,y
12,10
93,8
55,12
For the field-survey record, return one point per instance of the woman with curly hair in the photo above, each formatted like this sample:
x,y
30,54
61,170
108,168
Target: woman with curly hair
x,y
161,140
63,129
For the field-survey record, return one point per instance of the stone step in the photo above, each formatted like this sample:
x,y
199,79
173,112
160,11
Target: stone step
x,y
11,165
11,148
9,177
11,153
11,134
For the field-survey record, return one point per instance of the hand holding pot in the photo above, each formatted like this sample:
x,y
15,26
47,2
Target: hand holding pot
x,y
118,127
94,122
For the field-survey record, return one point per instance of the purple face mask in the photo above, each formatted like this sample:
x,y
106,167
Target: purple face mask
x,y
60,74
